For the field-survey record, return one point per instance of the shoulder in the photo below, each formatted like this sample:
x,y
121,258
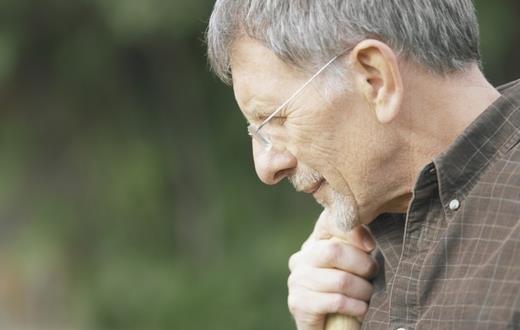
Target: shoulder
x,y
498,189
508,85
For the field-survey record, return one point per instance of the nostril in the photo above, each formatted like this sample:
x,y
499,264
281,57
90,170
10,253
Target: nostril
x,y
274,166
280,175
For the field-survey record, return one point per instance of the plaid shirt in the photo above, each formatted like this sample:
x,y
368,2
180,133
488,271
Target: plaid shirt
x,y
453,261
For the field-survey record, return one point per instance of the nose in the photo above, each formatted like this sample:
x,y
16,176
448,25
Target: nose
x,y
272,166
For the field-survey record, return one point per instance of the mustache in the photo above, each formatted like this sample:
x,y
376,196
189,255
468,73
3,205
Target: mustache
x,y
341,209
304,178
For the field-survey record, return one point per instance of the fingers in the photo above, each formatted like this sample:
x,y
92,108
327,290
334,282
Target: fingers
x,y
329,275
361,238
331,281
326,228
310,308
334,254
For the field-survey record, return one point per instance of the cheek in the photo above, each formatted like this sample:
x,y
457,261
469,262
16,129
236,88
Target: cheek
x,y
341,151
317,140
327,133
317,148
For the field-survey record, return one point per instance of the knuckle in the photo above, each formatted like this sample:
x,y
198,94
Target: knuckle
x,y
363,309
294,260
292,280
371,267
293,304
331,252
298,279
307,244
356,307
364,290
344,282
336,304
342,305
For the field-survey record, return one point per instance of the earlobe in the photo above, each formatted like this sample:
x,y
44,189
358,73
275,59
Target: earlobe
x,y
378,78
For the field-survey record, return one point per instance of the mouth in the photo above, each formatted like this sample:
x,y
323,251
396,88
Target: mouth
x,y
314,188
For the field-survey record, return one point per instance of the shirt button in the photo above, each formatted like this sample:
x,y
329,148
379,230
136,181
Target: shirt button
x,y
454,205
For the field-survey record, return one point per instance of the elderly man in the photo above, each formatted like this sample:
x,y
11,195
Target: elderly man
x,y
379,109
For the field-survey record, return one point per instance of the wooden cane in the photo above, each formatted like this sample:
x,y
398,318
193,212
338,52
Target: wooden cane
x,y
342,322
338,321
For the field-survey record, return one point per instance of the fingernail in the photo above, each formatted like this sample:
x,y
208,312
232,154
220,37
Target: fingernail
x,y
369,243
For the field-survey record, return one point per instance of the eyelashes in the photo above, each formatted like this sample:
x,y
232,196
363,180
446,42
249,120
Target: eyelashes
x,y
260,118
279,120
280,116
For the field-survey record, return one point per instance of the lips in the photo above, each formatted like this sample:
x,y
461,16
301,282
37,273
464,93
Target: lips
x,y
314,188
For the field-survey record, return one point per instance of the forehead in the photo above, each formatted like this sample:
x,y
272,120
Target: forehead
x,y
259,76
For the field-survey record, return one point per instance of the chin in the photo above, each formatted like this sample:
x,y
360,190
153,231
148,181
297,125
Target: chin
x,y
339,204
342,208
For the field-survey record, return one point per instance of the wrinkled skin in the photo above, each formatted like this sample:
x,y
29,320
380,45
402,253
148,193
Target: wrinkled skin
x,y
360,146
312,138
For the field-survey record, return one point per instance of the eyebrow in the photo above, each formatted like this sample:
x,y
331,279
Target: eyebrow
x,y
258,107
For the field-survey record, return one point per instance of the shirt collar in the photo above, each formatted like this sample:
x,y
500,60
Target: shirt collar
x,y
490,136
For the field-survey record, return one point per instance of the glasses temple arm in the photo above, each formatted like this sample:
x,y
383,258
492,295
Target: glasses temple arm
x,y
295,93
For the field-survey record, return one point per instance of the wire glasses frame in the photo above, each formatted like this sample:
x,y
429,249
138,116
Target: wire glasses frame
x,y
263,138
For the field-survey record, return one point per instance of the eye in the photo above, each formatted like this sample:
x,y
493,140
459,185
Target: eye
x,y
261,117
280,120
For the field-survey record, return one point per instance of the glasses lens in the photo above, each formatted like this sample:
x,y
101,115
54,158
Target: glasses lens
x,y
261,139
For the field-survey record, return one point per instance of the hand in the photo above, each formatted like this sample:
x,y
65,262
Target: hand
x,y
330,276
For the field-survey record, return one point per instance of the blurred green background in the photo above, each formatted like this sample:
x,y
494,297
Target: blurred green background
x,y
128,198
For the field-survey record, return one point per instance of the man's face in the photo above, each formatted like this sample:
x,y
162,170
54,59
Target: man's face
x,y
324,142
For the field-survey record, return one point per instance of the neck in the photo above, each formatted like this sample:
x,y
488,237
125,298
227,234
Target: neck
x,y
438,109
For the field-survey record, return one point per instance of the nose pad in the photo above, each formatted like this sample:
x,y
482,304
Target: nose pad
x,y
273,165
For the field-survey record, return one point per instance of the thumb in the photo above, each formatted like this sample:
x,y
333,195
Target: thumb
x,y
359,236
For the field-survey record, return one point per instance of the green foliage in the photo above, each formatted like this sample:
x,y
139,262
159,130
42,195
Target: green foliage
x,y
127,193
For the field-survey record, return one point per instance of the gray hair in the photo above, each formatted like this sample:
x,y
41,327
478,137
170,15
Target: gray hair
x,y
442,35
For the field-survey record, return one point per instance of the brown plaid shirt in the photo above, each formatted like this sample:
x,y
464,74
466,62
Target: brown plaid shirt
x,y
453,261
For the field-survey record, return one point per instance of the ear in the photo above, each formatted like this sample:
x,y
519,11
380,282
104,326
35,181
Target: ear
x,y
377,76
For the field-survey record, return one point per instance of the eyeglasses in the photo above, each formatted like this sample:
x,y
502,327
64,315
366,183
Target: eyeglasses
x,y
263,138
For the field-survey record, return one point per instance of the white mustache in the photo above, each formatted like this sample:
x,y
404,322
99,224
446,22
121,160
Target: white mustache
x,y
304,178
340,208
